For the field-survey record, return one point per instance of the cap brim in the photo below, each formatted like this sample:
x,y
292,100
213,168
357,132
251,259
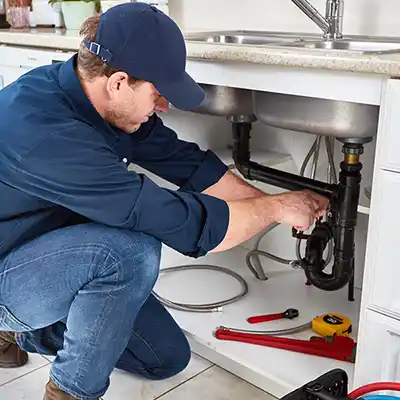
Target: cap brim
x,y
184,93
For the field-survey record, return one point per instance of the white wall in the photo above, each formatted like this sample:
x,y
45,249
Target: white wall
x,y
366,17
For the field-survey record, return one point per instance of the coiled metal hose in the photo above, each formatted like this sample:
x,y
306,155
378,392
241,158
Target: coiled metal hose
x,y
208,307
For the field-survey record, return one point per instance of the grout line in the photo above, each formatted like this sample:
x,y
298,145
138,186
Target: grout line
x,y
47,359
202,358
249,383
182,383
23,375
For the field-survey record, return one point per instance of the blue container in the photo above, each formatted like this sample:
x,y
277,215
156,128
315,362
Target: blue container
x,y
381,397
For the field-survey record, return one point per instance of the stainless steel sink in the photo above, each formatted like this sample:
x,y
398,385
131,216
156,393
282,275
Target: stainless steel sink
x,y
245,37
346,121
234,103
343,120
358,46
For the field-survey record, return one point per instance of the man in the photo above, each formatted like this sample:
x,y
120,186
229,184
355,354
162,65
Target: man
x,y
80,235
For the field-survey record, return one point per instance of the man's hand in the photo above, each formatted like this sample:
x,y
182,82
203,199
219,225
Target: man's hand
x,y
250,216
299,209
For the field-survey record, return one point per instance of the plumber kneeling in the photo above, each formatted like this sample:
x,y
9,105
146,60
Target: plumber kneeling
x,y
81,235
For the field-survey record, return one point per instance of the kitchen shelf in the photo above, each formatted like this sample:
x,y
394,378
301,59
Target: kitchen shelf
x,y
273,370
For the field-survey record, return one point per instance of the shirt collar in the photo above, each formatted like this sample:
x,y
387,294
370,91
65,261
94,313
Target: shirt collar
x,y
81,104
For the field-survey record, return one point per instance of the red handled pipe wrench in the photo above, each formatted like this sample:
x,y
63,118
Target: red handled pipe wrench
x,y
337,347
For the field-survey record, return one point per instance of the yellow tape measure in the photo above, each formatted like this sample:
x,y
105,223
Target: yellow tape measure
x,y
332,324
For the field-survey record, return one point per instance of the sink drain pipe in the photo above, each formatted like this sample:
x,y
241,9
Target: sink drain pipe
x,y
342,216
253,171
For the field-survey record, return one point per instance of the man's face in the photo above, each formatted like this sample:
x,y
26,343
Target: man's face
x,y
131,105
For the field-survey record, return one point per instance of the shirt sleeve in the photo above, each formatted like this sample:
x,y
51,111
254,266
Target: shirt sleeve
x,y
79,171
157,149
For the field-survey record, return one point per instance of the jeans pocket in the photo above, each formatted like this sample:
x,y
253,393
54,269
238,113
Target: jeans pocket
x,y
8,322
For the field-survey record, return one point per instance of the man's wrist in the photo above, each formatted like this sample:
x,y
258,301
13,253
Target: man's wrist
x,y
269,207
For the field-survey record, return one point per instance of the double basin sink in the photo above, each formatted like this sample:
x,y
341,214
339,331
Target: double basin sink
x,y
343,120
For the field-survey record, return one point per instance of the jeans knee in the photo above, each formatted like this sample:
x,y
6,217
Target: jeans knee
x,y
180,362
129,256
146,253
175,363
150,256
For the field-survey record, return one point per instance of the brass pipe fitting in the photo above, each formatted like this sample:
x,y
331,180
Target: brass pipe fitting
x,y
351,158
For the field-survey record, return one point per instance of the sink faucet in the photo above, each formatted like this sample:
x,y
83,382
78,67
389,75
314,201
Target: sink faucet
x,y
332,24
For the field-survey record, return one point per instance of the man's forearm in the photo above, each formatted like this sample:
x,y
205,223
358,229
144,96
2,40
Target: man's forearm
x,y
251,210
247,217
231,187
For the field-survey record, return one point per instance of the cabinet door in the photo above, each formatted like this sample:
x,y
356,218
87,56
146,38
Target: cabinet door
x,y
382,262
389,127
378,350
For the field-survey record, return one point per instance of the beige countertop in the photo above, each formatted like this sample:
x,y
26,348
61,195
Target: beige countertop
x,y
388,64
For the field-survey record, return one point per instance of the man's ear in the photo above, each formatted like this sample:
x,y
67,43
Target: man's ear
x,y
115,82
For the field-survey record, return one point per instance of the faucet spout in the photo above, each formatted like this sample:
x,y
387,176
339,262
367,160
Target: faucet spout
x,y
331,24
312,13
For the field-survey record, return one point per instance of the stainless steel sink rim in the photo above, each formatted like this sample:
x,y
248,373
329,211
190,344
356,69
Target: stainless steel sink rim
x,y
243,39
351,44
359,46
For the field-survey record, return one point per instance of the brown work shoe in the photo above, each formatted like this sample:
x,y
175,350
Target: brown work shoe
x,y
53,392
11,356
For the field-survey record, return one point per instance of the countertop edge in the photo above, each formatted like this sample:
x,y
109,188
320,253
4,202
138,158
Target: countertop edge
x,y
387,65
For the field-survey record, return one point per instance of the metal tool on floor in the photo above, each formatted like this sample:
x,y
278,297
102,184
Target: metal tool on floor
x,y
334,329
337,347
290,313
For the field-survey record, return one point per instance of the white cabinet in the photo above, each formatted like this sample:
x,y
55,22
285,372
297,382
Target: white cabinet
x,y
378,356
389,128
15,62
378,349
384,273
10,74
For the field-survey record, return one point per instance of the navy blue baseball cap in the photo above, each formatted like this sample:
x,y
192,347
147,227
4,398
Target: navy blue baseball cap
x,y
142,41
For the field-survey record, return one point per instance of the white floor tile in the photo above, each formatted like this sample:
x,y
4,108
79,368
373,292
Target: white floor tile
x,y
129,387
8,374
216,384
123,385
28,387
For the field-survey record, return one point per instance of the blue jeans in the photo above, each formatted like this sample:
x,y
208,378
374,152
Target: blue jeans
x,y
83,293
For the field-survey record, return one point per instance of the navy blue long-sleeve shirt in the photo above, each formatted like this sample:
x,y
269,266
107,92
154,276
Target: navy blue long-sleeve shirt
x,y
60,160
